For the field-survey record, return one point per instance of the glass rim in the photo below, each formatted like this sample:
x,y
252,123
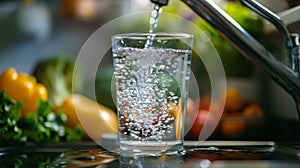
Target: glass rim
x,y
157,35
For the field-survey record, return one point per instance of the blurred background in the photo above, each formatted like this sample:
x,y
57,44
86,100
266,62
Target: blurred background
x,y
33,30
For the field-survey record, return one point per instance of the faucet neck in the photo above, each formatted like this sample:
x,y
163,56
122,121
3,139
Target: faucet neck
x,y
271,17
248,46
160,2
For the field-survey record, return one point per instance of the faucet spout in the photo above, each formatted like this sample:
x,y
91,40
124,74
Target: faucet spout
x,y
250,47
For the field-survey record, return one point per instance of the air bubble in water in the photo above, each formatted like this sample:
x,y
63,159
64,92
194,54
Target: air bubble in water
x,y
142,105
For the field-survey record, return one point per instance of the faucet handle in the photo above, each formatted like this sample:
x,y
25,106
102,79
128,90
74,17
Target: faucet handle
x,y
160,2
295,39
295,54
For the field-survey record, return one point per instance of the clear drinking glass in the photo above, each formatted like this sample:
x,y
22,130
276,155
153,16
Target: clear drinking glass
x,y
152,73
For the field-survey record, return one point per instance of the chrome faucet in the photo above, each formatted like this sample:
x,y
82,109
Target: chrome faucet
x,y
288,78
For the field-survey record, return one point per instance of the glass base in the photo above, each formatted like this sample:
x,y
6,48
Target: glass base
x,y
162,161
151,153
150,148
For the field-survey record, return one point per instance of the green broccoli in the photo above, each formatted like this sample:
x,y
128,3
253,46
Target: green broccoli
x,y
56,73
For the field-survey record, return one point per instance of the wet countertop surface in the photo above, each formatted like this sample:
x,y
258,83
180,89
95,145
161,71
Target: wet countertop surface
x,y
198,154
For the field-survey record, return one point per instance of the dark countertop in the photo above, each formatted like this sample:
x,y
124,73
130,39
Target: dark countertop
x,y
198,154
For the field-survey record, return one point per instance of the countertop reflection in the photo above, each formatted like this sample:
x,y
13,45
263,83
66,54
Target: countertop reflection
x,y
198,154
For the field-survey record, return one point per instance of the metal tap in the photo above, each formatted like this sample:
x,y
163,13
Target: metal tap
x,y
254,51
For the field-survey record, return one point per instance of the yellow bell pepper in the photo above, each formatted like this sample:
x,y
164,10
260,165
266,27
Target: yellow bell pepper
x,y
24,88
96,119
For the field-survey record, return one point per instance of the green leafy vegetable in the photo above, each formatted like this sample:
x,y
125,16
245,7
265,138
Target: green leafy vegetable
x,y
41,126
73,135
44,125
56,73
10,132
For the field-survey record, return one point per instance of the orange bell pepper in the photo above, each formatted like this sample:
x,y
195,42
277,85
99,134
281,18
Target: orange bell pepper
x,y
24,88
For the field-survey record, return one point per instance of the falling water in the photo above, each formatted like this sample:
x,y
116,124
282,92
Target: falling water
x,y
153,24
